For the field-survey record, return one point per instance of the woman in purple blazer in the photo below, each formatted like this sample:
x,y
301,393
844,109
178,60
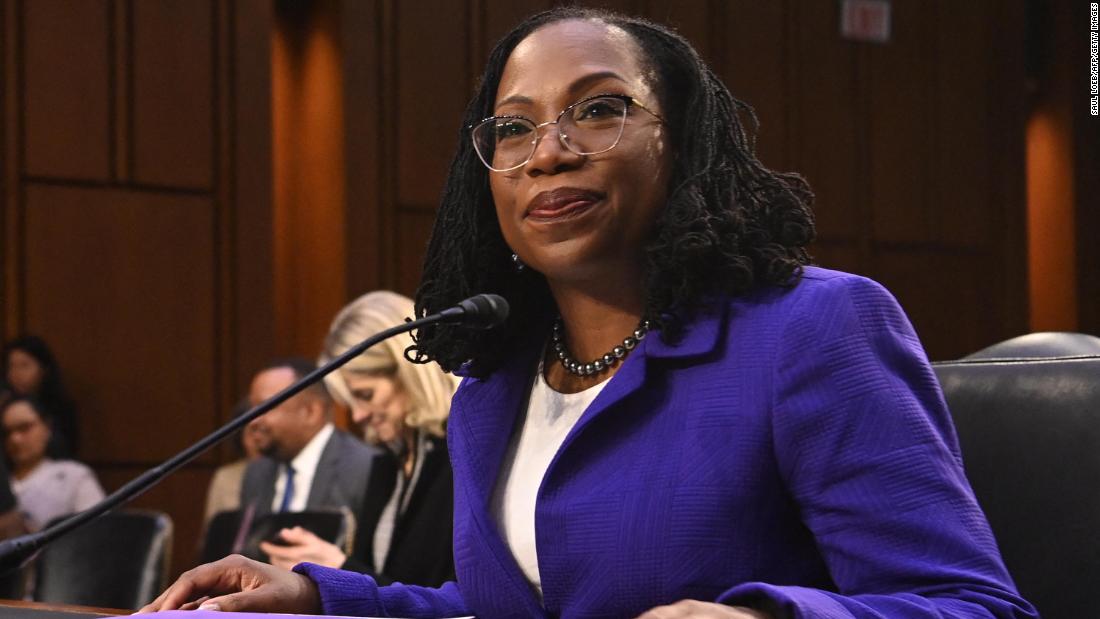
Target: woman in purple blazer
x,y
680,418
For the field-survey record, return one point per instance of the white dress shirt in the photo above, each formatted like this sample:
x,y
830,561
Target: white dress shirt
x,y
305,467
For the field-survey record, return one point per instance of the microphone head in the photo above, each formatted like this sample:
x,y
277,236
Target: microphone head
x,y
17,551
484,311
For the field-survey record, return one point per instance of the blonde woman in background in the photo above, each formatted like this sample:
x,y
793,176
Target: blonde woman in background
x,y
404,530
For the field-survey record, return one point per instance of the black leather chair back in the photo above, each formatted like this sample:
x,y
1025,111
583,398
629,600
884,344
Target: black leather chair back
x,y
120,560
224,534
1030,435
221,536
1043,344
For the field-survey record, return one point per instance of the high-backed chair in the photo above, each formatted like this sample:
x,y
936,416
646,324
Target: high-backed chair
x,y
119,560
1030,435
233,532
1043,344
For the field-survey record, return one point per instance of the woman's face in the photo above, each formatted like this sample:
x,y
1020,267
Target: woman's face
x,y
378,406
25,434
569,216
24,372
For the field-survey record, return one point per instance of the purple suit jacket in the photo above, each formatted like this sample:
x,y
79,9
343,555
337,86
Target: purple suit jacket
x,y
793,452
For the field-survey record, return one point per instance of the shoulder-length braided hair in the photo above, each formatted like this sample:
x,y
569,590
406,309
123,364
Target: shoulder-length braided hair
x,y
729,225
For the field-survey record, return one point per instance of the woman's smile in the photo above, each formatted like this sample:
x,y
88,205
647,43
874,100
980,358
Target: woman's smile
x,y
559,205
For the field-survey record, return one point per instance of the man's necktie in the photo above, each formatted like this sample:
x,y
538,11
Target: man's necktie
x,y
288,494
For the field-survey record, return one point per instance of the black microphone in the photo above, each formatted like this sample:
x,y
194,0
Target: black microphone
x,y
483,311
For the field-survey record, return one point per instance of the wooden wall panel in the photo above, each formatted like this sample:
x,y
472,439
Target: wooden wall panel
x,y
364,128
755,70
309,172
137,220
947,298
497,18
839,255
10,160
129,306
827,126
962,148
694,20
431,91
1006,106
66,107
248,322
173,88
414,227
900,81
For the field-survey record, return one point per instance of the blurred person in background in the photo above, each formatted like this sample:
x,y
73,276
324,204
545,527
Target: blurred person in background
x,y
30,369
11,525
404,530
45,488
308,463
224,493
11,521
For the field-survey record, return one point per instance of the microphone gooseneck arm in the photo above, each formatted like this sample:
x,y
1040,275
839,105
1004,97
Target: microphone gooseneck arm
x,y
482,311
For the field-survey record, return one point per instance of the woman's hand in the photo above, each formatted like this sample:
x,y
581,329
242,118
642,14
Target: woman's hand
x,y
694,609
303,546
236,584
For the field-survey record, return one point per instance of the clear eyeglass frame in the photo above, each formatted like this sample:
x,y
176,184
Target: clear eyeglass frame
x,y
563,138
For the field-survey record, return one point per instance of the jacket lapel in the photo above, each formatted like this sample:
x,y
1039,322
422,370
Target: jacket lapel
x,y
265,492
482,420
700,339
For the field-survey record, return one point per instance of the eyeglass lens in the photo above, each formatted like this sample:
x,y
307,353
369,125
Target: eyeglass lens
x,y
586,128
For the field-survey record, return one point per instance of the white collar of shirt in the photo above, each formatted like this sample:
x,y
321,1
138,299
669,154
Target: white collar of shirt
x,y
305,467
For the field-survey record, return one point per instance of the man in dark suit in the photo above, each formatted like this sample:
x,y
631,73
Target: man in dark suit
x,y
308,463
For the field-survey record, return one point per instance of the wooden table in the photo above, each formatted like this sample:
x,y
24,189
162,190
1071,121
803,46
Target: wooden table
x,y
18,609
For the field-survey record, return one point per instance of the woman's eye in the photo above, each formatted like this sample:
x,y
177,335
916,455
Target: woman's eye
x,y
510,129
599,109
364,396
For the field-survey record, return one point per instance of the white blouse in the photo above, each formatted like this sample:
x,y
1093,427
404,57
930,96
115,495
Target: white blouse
x,y
55,488
549,418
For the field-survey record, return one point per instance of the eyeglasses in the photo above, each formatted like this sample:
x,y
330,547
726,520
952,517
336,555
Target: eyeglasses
x,y
588,127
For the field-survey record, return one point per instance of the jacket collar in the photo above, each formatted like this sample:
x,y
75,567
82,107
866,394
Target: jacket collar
x,y
701,335
493,403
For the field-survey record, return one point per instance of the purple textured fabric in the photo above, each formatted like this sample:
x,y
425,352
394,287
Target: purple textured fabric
x,y
792,452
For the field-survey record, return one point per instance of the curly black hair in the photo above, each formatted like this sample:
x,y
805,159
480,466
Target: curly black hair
x,y
729,225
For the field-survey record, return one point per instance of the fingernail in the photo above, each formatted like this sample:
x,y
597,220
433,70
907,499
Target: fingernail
x,y
210,606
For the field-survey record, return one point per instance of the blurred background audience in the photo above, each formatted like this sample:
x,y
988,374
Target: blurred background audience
x,y
307,462
224,493
30,369
46,488
404,528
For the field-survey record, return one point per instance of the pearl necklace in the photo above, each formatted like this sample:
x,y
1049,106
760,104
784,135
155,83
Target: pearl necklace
x,y
601,364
